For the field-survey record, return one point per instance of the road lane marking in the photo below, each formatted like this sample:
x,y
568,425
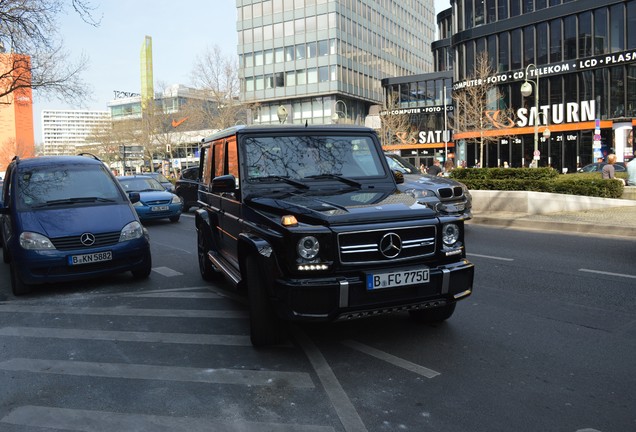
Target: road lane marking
x,y
490,257
608,273
102,421
126,336
123,311
389,358
178,295
347,413
160,373
166,271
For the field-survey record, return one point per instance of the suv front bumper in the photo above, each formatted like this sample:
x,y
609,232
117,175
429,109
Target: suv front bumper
x,y
345,296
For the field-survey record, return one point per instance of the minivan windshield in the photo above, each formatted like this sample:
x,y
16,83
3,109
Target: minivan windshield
x,y
311,157
71,184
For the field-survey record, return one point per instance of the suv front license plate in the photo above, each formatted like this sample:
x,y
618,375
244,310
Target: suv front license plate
x,y
90,258
397,278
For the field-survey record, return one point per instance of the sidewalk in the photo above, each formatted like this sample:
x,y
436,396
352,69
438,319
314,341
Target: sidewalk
x,y
620,221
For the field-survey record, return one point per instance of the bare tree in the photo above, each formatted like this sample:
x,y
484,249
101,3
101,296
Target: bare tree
x,y
217,75
395,126
36,57
479,106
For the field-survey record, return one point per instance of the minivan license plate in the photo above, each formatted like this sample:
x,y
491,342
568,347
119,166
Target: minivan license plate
x,y
397,278
90,258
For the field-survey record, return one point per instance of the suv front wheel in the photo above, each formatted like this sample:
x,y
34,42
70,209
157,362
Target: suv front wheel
x,y
265,326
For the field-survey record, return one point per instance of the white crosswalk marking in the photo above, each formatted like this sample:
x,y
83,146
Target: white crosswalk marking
x,y
100,421
164,373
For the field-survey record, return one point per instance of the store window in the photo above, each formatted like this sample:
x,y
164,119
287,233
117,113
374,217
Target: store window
x,y
617,32
601,39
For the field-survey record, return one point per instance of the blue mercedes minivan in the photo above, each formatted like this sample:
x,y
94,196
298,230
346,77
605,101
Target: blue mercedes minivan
x,y
66,218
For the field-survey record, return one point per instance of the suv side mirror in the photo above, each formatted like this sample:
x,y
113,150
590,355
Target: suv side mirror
x,y
134,197
398,176
224,183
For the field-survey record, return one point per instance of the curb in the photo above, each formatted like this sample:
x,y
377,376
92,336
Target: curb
x,y
525,222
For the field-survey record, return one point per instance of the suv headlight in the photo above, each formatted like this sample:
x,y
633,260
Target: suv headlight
x,y
450,234
35,241
132,231
308,247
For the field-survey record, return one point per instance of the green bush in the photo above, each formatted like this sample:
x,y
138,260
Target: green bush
x,y
539,180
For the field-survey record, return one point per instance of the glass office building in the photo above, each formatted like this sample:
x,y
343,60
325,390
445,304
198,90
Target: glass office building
x,y
323,60
582,55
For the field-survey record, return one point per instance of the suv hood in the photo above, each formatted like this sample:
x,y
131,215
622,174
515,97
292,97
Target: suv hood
x,y
349,207
76,220
428,181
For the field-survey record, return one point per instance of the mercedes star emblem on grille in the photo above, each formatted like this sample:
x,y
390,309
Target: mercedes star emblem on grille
x,y
87,239
390,245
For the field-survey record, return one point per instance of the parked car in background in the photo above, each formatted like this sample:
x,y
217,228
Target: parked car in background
x,y
65,218
187,187
598,167
442,194
155,202
167,184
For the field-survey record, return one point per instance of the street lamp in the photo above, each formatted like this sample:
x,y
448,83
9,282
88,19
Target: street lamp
x,y
335,117
526,90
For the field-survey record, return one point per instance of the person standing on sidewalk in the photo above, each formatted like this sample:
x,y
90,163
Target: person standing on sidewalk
x,y
631,172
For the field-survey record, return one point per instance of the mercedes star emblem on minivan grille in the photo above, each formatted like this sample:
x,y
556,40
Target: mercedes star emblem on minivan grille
x,y
390,245
87,239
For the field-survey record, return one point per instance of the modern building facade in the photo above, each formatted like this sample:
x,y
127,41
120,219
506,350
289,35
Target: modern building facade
x,y
16,110
323,60
65,132
579,55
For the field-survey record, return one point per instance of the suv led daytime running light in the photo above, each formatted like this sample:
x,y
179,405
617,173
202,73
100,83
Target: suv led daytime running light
x,y
310,267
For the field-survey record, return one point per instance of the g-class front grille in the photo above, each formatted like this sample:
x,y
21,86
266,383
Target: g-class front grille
x,y
451,192
75,242
384,245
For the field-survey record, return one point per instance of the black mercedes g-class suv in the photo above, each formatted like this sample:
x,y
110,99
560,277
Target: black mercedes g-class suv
x,y
308,221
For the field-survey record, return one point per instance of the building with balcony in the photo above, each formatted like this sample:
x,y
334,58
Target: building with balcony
x,y
65,132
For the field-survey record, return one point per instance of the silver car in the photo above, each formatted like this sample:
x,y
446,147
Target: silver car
x,y
441,194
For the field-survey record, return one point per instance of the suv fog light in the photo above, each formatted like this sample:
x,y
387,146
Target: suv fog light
x,y
450,234
308,247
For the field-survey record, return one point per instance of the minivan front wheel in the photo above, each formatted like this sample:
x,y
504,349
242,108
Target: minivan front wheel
x,y
17,286
143,271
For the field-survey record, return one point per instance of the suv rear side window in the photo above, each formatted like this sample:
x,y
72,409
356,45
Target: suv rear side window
x,y
42,185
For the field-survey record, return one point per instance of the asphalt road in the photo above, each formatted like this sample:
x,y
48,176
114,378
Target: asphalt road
x,y
547,342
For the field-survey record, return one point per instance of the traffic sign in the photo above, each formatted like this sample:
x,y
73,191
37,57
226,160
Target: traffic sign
x,y
597,137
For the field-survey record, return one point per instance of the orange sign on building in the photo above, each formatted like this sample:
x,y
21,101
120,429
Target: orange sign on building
x,y
16,108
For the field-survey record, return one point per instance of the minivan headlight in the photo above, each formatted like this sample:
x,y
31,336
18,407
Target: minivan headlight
x,y
450,234
35,241
308,247
132,231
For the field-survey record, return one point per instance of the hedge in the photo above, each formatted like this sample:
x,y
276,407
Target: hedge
x,y
539,180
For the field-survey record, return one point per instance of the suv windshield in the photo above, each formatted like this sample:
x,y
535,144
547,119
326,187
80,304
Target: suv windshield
x,y
66,184
305,157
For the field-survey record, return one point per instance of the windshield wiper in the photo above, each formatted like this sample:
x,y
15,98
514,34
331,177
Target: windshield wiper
x,y
340,177
74,201
280,178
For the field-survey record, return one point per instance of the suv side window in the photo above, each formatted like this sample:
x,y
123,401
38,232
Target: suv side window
x,y
232,160
219,159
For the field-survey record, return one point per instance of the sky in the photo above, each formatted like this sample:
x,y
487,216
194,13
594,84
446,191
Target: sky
x,y
180,30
